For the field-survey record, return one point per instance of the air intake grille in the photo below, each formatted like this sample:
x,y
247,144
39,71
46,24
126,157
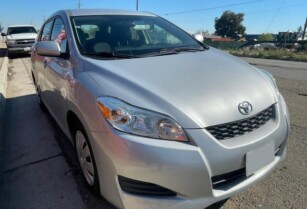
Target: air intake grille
x,y
25,41
241,127
226,178
143,188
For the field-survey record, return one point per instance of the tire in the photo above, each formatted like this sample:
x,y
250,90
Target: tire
x,y
86,159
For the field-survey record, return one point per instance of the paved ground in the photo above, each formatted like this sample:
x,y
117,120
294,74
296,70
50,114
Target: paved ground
x,y
39,169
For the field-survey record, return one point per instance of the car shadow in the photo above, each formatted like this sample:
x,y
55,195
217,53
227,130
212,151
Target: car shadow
x,y
16,56
25,115
217,205
26,145
2,52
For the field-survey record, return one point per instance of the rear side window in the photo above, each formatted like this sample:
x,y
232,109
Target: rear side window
x,y
46,31
59,34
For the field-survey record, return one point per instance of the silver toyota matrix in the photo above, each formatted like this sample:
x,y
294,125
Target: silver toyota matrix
x,y
158,120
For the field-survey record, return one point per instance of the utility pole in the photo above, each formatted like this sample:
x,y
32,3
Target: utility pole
x,y
137,5
304,31
79,5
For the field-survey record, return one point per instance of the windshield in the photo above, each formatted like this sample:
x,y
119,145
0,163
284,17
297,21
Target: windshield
x,y
16,30
134,36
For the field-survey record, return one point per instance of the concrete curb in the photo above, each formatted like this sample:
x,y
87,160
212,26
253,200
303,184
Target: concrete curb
x,y
3,83
3,77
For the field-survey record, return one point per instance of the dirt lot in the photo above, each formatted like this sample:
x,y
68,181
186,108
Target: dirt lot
x,y
39,169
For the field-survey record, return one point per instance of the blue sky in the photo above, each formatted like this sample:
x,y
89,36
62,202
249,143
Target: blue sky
x,y
260,15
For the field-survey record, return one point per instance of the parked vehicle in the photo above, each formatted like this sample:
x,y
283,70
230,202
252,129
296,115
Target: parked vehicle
x,y
265,46
20,38
158,119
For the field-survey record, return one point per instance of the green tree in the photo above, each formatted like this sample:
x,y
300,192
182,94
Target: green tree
x,y
230,25
266,37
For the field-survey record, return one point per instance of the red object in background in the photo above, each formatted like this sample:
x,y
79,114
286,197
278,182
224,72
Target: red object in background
x,y
60,37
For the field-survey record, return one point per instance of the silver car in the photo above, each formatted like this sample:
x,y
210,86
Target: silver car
x,y
158,119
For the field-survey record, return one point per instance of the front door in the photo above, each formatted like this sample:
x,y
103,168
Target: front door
x,y
56,70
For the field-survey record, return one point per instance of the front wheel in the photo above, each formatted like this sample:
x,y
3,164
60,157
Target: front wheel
x,y
86,160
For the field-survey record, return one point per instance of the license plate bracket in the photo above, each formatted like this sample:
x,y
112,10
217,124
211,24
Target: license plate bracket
x,y
27,49
260,157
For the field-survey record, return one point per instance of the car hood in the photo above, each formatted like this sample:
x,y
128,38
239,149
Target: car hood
x,y
197,89
20,36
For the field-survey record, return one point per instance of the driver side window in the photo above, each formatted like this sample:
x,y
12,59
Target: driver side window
x,y
59,34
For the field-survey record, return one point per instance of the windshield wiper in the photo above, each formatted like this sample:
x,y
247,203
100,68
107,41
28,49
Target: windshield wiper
x,y
171,51
160,53
187,49
110,55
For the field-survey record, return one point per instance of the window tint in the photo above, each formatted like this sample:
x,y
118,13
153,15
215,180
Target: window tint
x,y
59,34
46,31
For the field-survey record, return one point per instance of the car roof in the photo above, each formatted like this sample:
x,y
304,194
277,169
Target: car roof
x,y
84,12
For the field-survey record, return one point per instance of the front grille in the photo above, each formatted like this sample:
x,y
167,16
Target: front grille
x,y
25,41
223,179
241,127
143,188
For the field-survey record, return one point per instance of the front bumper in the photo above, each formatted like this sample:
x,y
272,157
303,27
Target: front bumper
x,y
20,48
186,169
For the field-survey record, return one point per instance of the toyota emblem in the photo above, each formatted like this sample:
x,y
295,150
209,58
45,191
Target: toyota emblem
x,y
245,108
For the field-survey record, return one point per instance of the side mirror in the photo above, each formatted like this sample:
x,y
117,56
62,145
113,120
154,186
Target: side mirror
x,y
48,48
3,34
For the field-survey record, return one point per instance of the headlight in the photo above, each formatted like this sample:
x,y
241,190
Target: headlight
x,y
11,42
134,120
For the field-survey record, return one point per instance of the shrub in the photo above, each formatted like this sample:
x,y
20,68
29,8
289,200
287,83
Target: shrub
x,y
272,54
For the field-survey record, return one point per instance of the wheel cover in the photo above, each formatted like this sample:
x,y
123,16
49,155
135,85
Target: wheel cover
x,y
85,158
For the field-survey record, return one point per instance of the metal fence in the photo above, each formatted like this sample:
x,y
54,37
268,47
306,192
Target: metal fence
x,y
225,45
232,45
